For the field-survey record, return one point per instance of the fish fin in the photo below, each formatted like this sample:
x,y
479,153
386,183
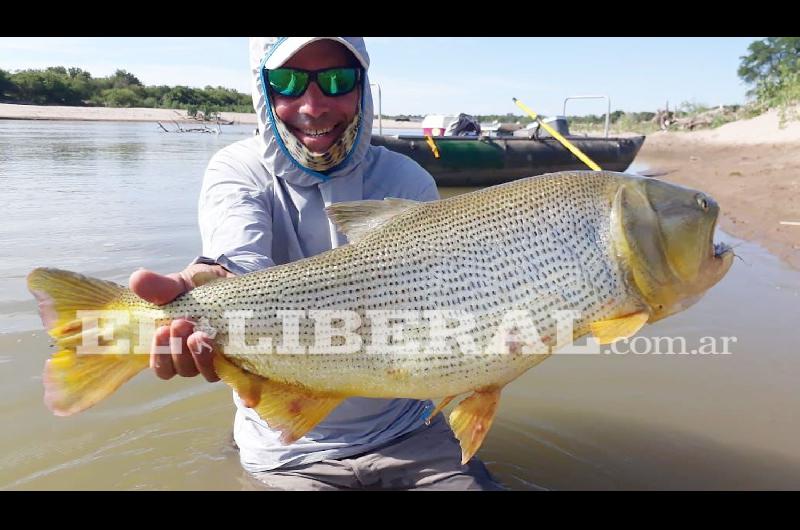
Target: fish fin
x,y
289,408
438,409
75,381
61,293
356,219
472,419
247,385
608,331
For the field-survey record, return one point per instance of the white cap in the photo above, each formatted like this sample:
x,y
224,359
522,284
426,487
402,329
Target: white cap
x,y
291,45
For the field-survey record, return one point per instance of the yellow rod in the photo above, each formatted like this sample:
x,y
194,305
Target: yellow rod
x,y
577,152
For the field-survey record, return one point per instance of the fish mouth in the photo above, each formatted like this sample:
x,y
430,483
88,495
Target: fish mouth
x,y
721,249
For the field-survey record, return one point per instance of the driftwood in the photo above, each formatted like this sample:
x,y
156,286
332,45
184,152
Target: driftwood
x,y
203,129
664,118
705,119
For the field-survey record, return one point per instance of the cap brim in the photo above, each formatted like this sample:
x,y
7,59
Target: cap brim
x,y
292,45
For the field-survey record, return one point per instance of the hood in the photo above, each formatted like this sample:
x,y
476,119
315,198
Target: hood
x,y
274,154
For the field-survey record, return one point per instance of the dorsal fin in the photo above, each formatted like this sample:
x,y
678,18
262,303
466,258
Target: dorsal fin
x,y
356,219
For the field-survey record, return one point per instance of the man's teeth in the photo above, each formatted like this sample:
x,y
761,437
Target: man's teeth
x,y
317,132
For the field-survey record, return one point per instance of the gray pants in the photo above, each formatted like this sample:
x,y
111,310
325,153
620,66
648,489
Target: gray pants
x,y
428,458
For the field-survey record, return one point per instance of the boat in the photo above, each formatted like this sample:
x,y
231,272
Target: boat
x,y
487,160
501,153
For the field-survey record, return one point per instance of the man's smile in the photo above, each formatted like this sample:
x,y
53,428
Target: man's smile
x,y
318,138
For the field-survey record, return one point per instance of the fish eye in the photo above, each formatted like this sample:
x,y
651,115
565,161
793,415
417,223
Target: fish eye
x,y
702,201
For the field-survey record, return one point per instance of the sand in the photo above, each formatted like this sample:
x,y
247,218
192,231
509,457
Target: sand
x,y
41,112
751,167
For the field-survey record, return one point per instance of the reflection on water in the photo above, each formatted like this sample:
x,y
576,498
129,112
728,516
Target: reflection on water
x,y
104,199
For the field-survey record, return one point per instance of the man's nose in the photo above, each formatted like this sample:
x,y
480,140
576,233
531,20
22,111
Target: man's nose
x,y
314,102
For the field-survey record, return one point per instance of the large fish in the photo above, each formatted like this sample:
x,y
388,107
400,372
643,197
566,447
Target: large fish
x,y
443,298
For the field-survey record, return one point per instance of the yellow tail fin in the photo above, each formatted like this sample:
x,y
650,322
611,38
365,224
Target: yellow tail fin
x,y
75,381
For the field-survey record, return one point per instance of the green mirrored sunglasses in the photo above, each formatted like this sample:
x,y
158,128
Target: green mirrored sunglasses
x,y
293,82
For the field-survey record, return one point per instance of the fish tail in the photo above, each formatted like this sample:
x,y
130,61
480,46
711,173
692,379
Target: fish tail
x,y
77,376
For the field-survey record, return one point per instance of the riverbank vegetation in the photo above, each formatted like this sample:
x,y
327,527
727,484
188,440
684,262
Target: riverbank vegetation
x,y
772,69
58,85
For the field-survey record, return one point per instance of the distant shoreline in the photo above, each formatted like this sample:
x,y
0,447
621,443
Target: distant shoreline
x,y
10,111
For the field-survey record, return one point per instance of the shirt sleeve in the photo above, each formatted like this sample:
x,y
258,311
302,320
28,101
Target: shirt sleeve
x,y
235,215
429,193
419,185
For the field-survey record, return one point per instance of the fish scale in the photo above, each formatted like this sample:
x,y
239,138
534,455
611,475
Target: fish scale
x,y
538,244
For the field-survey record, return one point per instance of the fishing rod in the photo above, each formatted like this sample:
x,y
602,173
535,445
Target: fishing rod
x,y
575,151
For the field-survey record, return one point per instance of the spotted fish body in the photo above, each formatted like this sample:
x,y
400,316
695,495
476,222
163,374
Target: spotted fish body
x,y
618,250
539,245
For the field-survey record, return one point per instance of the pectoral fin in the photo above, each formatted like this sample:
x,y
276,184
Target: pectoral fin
x,y
291,409
472,419
608,331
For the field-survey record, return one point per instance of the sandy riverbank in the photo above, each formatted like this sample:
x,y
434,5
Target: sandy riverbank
x,y
42,112
751,167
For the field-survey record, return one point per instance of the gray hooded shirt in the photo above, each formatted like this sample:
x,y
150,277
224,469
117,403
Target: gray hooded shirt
x,y
258,208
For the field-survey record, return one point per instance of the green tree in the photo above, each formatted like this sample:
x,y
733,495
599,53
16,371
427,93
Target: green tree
x,y
768,59
81,83
6,85
57,70
74,86
120,97
124,79
772,68
78,72
43,87
180,97
616,115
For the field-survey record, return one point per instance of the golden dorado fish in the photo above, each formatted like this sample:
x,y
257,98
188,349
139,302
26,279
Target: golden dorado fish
x,y
427,300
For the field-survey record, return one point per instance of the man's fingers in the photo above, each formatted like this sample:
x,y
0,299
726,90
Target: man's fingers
x,y
180,329
201,347
157,288
161,289
161,363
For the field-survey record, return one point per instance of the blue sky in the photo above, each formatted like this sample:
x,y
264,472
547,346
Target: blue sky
x,y
421,75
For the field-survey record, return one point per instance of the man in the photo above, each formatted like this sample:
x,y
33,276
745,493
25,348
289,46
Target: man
x,y
262,204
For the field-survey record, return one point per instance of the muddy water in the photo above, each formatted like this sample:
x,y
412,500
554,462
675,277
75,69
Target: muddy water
x,y
105,199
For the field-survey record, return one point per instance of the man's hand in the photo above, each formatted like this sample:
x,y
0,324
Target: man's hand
x,y
192,356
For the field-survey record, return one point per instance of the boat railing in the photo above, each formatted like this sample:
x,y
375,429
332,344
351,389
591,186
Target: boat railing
x,y
380,116
608,112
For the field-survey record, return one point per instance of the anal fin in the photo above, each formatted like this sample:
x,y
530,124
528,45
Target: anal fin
x,y
472,419
291,409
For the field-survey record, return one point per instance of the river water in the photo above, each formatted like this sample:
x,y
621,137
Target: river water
x,y
107,198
